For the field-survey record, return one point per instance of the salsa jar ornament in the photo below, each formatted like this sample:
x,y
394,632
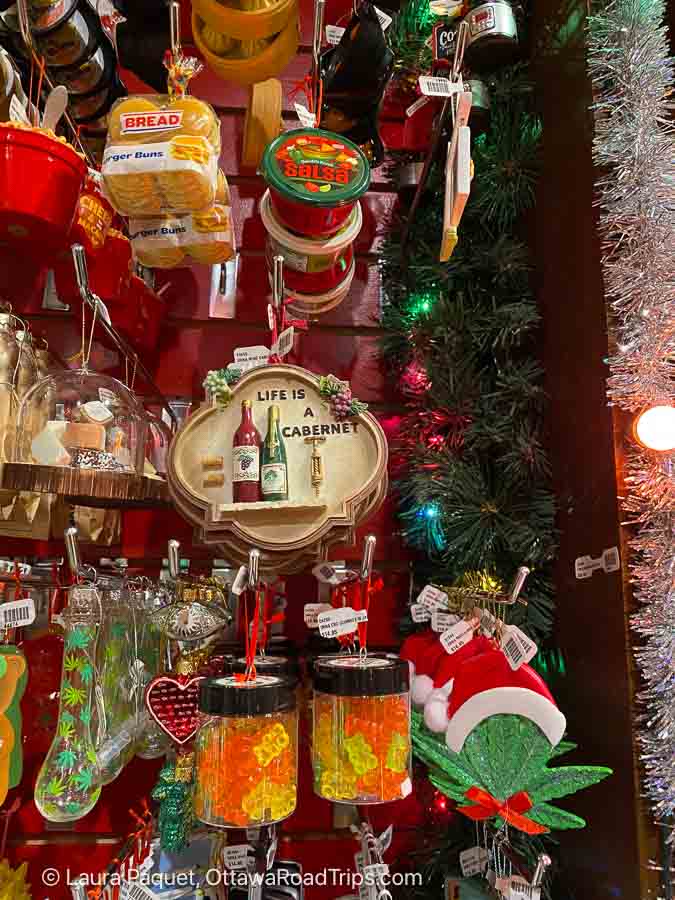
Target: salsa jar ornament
x,y
246,752
361,734
315,179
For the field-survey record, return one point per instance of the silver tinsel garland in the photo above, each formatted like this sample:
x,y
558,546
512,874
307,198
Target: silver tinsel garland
x,y
634,149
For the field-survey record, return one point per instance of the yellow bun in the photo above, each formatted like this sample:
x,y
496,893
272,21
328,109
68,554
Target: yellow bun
x,y
214,220
199,119
211,254
222,189
164,258
134,194
130,105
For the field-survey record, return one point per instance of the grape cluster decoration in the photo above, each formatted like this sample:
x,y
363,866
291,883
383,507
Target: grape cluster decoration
x,y
339,397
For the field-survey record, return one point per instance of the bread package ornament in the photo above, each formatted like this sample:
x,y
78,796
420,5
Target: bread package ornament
x,y
164,242
161,155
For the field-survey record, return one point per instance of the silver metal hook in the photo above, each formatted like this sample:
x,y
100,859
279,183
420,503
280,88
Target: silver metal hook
x,y
254,569
174,560
460,45
174,22
73,551
368,557
278,282
518,582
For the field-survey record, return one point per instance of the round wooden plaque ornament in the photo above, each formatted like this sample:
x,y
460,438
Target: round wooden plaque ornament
x,y
353,452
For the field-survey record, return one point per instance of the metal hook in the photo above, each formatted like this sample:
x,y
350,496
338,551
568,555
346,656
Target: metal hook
x,y
278,282
222,288
460,45
518,582
543,862
368,557
254,569
174,22
174,560
73,551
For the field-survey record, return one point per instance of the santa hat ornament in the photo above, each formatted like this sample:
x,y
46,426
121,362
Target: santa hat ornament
x,y
436,702
424,652
485,685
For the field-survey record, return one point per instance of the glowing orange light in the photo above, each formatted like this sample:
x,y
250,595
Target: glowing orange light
x,y
655,428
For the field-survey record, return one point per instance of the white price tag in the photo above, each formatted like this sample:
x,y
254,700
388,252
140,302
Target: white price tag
x,y
406,787
418,104
517,647
17,111
312,612
235,856
385,20
337,622
419,612
433,86
18,613
107,396
240,582
334,34
473,861
441,621
246,358
307,119
458,635
609,561
432,598
519,889
284,344
366,891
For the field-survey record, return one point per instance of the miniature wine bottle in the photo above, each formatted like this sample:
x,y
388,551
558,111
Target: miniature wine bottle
x,y
246,458
273,464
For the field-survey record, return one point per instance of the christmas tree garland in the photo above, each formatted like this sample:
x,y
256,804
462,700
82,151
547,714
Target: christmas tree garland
x,y
634,148
470,470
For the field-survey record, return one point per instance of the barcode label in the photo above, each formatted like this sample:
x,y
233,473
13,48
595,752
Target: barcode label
x,y
385,20
240,581
517,647
519,889
432,597
473,861
611,562
18,613
432,86
326,574
336,622
285,343
130,891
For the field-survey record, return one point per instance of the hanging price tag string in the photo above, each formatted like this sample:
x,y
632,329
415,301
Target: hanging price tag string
x,y
367,587
252,632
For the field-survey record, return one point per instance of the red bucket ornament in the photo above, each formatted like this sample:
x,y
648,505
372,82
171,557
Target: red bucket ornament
x,y
138,314
41,179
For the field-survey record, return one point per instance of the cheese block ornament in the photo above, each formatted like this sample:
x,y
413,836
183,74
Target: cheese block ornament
x,y
161,156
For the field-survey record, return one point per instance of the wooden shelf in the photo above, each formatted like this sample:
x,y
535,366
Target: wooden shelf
x,y
223,511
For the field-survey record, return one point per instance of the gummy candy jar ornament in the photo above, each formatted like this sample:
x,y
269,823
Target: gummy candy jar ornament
x,y
361,729
246,752
68,784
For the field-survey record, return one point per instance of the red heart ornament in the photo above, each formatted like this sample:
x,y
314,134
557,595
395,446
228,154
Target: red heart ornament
x,y
173,702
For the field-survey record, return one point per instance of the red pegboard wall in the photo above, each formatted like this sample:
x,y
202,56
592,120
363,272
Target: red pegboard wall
x,y
346,343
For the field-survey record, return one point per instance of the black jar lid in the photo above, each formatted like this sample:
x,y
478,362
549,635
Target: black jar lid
x,y
353,676
230,697
281,666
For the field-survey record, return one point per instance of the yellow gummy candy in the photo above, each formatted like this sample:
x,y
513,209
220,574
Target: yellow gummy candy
x,y
254,803
283,803
337,786
397,754
360,754
273,743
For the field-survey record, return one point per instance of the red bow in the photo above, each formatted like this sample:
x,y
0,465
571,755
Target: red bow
x,y
510,810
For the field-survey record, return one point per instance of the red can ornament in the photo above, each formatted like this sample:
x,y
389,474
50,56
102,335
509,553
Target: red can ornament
x,y
315,179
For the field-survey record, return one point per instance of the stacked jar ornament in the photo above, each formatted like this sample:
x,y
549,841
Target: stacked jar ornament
x,y
312,215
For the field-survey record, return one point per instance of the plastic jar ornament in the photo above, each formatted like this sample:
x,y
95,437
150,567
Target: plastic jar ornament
x,y
361,729
68,784
246,752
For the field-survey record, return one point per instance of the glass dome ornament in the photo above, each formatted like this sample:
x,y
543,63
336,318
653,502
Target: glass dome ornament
x,y
159,437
